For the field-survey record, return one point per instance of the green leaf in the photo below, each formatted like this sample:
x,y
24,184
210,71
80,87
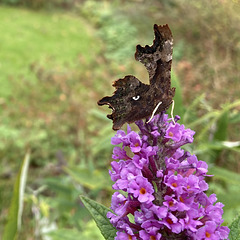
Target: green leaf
x,y
190,112
225,175
234,117
179,107
230,197
221,127
217,145
90,232
235,229
16,207
90,179
205,118
64,234
99,212
101,115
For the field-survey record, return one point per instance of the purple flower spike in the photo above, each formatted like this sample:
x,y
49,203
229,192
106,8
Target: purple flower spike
x,y
164,186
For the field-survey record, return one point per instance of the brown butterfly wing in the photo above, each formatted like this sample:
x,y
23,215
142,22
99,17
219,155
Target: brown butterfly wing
x,y
134,100
129,101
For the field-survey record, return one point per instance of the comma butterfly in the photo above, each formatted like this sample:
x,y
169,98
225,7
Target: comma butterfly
x,y
134,100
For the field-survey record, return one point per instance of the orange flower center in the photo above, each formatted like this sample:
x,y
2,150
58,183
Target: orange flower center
x,y
170,134
136,144
181,199
152,238
208,235
171,203
142,191
174,184
169,221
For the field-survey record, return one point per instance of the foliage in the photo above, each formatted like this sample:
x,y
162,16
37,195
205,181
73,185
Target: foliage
x,y
99,213
37,4
91,232
15,212
114,29
43,91
207,37
44,104
235,229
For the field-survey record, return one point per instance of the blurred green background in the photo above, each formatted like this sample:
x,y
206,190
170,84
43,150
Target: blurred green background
x,y
57,58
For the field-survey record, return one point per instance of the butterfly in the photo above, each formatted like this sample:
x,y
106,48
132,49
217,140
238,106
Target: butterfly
x,y
134,100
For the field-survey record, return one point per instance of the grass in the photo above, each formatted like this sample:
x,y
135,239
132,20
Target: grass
x,y
41,112
48,38
45,59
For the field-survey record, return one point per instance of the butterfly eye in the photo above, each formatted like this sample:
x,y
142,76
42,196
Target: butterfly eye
x,y
136,97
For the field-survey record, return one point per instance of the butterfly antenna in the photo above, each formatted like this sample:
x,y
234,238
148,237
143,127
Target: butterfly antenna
x,y
154,111
172,112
